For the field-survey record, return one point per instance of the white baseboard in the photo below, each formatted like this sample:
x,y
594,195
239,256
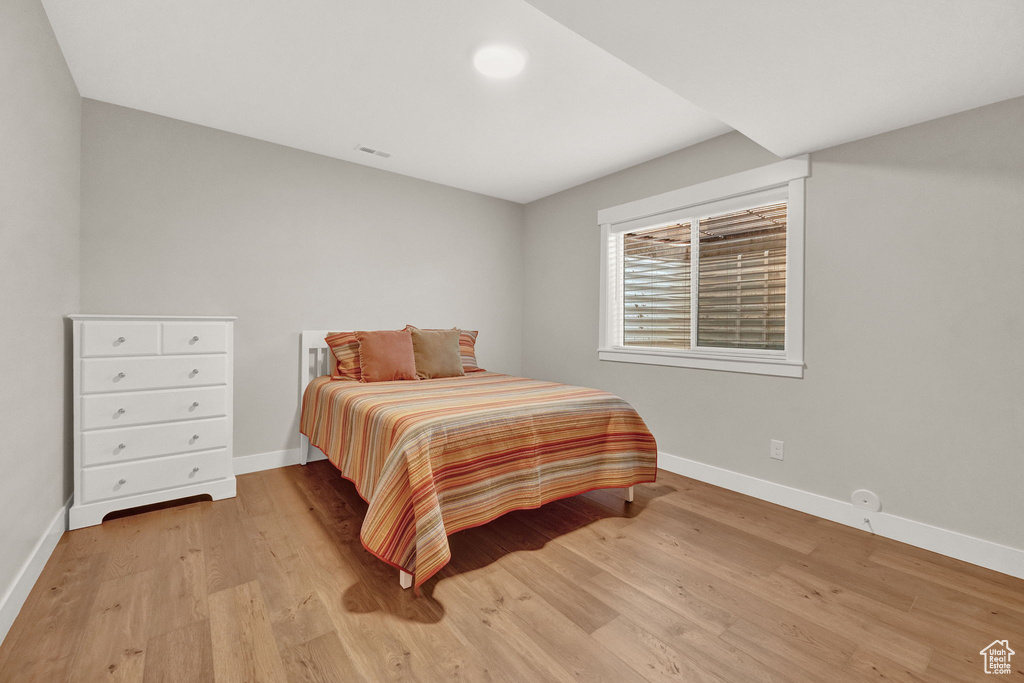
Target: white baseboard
x,y
21,586
244,464
983,553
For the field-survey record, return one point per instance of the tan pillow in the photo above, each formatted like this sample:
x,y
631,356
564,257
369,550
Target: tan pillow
x,y
436,352
467,348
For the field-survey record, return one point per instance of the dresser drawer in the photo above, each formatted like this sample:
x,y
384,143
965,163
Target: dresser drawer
x,y
117,338
194,337
120,410
132,478
128,374
131,443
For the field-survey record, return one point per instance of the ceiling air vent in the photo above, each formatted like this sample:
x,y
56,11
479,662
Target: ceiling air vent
x,y
374,152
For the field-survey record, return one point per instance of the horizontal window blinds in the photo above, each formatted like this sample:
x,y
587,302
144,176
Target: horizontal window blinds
x,y
656,287
741,299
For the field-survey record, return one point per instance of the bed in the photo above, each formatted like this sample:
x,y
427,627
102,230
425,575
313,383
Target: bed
x,y
435,456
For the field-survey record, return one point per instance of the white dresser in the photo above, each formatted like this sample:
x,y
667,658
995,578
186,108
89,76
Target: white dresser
x,y
153,411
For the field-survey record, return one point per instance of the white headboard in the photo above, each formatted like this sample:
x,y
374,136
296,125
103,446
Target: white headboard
x,y
314,360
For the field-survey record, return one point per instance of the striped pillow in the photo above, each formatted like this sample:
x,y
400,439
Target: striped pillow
x,y
467,348
345,347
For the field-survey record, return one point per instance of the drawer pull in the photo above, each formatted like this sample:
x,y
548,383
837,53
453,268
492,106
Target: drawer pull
x,y
122,482
120,340
121,446
120,411
120,375
195,437
195,371
195,404
194,470
194,339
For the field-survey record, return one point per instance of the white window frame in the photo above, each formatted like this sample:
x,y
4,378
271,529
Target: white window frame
x,y
784,179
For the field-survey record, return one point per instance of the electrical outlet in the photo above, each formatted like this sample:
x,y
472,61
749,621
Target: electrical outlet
x,y
776,451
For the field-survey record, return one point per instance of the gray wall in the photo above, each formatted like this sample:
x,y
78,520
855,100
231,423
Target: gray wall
x,y
39,202
182,219
914,385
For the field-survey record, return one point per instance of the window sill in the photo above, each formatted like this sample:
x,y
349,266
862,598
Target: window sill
x,y
778,367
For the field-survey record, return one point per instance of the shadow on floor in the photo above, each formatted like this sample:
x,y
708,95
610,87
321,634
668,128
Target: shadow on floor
x,y
340,509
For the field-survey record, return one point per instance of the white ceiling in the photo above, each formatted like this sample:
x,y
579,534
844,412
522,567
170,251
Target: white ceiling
x,y
797,76
793,75
390,74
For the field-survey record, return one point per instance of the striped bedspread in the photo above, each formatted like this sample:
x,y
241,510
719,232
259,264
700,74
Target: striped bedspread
x,y
435,456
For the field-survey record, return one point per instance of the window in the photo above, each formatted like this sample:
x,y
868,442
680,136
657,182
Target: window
x,y
709,276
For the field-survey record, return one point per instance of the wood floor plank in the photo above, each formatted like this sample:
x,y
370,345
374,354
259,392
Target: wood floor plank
x,y
849,566
301,622
179,596
133,548
649,656
557,578
703,602
802,655
515,536
954,666
871,666
254,496
877,583
466,666
184,654
116,631
286,489
551,631
408,634
319,660
497,636
374,644
707,598
84,542
677,529
689,582
686,637
957,613
988,588
626,598
813,600
46,671
759,519
39,643
917,624
244,648
330,494
226,551
296,611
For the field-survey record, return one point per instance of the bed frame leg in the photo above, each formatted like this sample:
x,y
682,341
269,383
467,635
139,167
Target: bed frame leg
x,y
404,579
303,449
629,495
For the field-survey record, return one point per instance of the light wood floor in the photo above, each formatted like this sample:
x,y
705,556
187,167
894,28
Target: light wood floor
x,y
689,583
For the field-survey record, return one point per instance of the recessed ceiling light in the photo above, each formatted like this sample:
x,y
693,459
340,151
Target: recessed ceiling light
x,y
499,61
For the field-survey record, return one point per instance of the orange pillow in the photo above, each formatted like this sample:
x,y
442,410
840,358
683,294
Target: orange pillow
x,y
386,355
345,348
